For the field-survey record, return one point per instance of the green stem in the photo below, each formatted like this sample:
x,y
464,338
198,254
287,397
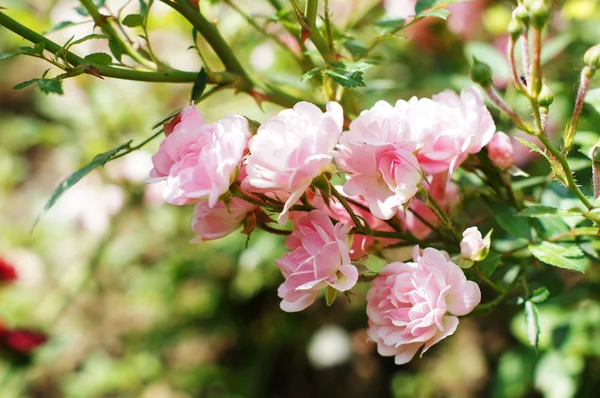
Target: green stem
x,y
486,280
108,29
171,76
568,173
312,7
586,80
213,38
442,215
359,226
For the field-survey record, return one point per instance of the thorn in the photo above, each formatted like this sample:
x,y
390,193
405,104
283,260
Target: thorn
x,y
92,70
304,35
258,97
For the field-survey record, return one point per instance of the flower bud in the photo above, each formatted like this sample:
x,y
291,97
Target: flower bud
x,y
481,73
546,98
473,246
539,13
595,153
501,151
8,274
520,14
592,57
515,29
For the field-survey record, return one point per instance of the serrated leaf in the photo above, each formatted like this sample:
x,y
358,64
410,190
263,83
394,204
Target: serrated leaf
x,y
531,146
67,183
488,265
539,211
99,58
345,78
310,74
115,49
50,86
24,84
559,255
4,56
133,20
533,324
505,216
442,14
88,37
540,295
199,85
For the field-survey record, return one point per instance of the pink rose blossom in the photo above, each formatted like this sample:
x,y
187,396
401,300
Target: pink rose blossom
x,y
472,246
378,155
318,258
449,127
291,149
501,151
399,8
415,305
445,192
199,160
211,223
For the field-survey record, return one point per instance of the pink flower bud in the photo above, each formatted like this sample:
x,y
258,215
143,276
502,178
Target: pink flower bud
x,y
473,247
500,150
412,306
8,274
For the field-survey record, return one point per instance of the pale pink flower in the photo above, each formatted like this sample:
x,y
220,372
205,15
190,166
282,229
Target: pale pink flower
x,y
361,244
399,8
198,160
472,245
291,149
501,150
450,128
318,258
415,305
377,152
445,192
211,223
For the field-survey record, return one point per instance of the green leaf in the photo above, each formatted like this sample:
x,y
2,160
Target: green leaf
x,y
354,66
387,26
539,211
540,295
144,7
356,47
115,49
88,37
4,56
133,20
50,86
38,48
60,25
443,14
310,74
67,183
199,85
559,255
489,264
532,321
83,12
24,84
345,78
423,5
99,58
505,216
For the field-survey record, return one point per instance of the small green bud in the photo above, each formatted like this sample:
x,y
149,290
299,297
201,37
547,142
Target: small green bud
x,y
595,153
520,14
515,29
481,73
591,57
539,13
546,98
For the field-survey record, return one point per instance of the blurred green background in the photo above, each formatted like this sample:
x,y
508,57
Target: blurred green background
x,y
133,309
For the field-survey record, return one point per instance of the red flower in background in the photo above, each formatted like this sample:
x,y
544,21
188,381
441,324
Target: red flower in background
x,y
23,341
8,273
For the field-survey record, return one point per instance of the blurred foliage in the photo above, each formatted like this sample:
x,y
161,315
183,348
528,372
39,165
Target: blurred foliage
x,y
134,310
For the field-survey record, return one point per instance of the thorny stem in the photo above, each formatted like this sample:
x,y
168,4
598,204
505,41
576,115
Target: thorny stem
x,y
108,29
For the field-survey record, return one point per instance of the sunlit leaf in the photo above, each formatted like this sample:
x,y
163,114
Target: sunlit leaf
x,y
562,256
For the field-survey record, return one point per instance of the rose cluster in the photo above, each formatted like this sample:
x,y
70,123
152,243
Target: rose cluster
x,y
283,172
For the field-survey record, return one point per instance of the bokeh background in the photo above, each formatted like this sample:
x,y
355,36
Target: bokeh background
x,y
132,309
